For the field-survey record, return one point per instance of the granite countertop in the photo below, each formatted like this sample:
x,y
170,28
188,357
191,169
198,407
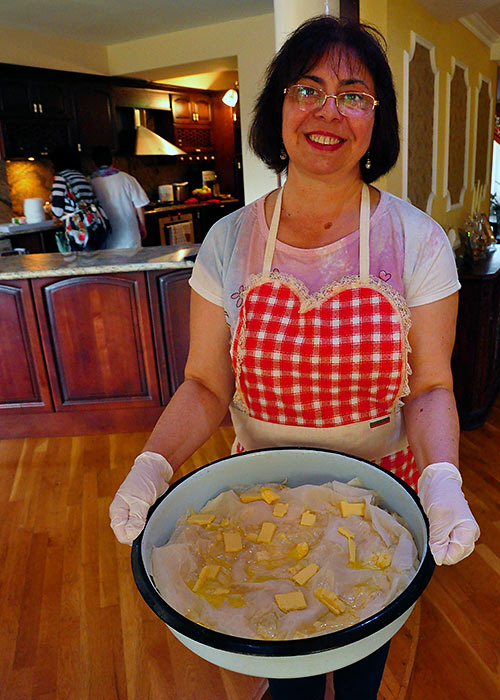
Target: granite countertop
x,y
96,262
23,229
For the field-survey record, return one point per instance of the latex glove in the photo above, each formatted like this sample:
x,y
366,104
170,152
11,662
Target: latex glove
x,y
453,528
144,484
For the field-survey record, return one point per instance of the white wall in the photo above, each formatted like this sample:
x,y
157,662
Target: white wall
x,y
32,49
251,40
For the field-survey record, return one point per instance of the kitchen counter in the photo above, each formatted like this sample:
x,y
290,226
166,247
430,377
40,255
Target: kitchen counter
x,y
23,235
97,262
155,207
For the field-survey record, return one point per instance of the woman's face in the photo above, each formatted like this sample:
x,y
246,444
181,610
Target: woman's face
x,y
323,141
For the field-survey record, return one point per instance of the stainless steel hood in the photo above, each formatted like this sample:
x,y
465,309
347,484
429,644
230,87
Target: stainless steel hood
x,y
148,143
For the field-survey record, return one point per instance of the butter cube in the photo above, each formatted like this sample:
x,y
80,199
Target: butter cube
x,y
306,574
331,600
208,572
200,519
232,541
290,601
300,550
346,532
352,509
308,518
280,509
250,497
266,533
268,495
352,550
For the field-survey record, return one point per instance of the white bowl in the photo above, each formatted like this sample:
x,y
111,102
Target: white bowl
x,y
288,658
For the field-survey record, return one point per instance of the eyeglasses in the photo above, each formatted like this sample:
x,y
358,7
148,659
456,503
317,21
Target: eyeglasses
x,y
349,104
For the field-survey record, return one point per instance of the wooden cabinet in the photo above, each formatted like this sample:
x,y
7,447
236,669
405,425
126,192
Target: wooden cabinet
x,y
97,341
191,107
169,294
476,355
91,353
22,97
23,378
93,117
192,113
35,114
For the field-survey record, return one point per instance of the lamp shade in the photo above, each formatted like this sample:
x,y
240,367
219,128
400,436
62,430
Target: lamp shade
x,y
230,98
150,144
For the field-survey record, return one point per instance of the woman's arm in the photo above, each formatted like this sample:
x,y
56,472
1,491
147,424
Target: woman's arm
x,y
196,409
433,431
201,402
430,411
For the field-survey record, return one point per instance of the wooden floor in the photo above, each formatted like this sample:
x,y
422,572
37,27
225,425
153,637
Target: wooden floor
x,y
73,625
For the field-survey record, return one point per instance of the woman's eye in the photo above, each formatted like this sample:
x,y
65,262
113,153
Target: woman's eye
x,y
352,98
307,91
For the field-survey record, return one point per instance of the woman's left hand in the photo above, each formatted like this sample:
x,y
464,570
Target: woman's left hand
x,y
453,528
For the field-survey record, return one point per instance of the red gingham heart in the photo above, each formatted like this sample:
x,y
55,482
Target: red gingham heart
x,y
335,361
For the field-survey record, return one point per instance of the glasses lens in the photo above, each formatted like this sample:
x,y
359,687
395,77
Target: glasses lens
x,y
305,97
352,103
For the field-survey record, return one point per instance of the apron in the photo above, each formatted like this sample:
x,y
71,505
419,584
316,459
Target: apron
x,y
325,370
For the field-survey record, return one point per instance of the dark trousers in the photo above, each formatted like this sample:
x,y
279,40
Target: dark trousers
x,y
359,681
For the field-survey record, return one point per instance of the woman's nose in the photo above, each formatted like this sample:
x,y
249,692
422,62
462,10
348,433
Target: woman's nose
x,y
329,110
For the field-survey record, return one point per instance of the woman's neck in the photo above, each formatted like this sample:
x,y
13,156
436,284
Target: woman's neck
x,y
316,212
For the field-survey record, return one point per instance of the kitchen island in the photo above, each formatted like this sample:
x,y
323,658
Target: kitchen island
x,y
92,341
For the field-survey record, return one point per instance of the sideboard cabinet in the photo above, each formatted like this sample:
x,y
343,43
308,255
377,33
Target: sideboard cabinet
x,y
476,355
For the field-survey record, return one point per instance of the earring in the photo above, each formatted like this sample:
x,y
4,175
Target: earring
x,y
283,155
368,163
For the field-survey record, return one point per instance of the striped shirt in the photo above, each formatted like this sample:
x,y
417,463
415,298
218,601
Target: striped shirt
x,y
61,202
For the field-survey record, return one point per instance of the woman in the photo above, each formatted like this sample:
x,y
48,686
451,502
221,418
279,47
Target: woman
x,y
74,202
318,291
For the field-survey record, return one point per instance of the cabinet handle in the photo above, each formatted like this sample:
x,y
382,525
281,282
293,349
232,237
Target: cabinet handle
x,y
35,107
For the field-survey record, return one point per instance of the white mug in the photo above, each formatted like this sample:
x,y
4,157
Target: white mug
x,y
33,210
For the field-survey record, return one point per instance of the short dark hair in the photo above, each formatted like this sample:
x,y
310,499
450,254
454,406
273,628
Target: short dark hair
x,y
301,51
65,158
101,155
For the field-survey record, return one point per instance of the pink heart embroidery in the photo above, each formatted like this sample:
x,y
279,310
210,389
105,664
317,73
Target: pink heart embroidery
x,y
385,276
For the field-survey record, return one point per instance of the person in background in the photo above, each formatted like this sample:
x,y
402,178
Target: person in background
x,y
123,200
377,277
74,202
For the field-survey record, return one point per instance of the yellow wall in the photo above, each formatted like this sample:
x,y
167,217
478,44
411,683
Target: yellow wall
x,y
397,20
32,49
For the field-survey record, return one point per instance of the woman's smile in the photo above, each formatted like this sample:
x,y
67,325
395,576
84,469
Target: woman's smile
x,y
324,141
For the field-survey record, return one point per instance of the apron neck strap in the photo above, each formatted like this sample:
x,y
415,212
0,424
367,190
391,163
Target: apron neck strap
x,y
364,235
273,232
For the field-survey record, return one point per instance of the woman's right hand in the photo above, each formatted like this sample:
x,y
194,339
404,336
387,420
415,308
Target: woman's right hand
x,y
144,484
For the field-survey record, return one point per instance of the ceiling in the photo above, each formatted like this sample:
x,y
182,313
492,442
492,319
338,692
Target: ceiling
x,y
114,21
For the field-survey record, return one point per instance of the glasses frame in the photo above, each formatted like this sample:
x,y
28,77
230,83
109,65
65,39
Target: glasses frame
x,y
375,102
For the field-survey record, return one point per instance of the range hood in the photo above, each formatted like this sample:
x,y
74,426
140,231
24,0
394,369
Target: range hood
x,y
148,143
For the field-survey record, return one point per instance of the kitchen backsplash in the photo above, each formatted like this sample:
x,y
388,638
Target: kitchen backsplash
x,y
5,203
20,179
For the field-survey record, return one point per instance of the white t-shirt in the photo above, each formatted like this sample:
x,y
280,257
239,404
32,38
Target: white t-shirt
x,y
408,249
119,195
